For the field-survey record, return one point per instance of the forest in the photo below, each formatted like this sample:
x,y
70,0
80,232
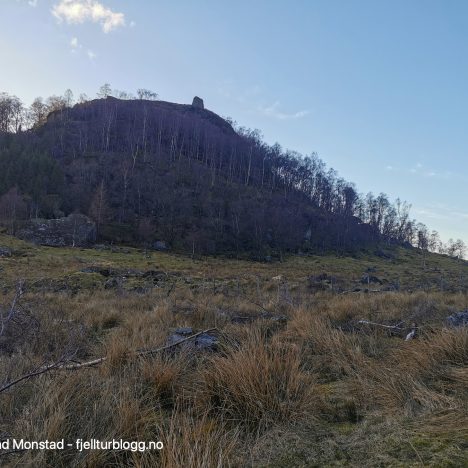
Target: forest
x,y
148,171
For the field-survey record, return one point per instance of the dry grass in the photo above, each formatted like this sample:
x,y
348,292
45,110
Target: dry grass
x,y
319,391
258,384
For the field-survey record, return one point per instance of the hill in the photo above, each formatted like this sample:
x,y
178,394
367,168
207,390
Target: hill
x,y
149,171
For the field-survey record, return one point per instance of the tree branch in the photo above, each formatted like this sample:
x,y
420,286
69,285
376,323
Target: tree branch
x,y
60,365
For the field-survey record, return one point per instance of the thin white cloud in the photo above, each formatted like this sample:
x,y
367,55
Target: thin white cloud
x,y
442,211
460,214
431,214
74,44
274,112
32,3
420,171
132,24
91,55
81,11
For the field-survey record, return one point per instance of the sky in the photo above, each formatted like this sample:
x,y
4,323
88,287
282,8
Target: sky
x,y
379,89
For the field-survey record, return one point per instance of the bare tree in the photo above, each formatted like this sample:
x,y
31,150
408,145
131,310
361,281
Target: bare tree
x,y
104,91
68,98
99,209
38,112
147,94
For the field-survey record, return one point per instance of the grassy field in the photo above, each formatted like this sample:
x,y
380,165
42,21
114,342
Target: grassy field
x,y
296,379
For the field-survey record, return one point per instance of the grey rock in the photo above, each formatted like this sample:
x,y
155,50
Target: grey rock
x,y
111,283
160,245
102,247
156,275
73,231
198,103
366,279
5,252
458,319
203,342
206,342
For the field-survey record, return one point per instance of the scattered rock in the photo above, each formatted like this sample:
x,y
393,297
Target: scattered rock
x,y
160,245
114,272
366,279
185,331
111,283
5,252
322,277
458,319
322,282
75,230
277,278
156,275
101,247
198,103
204,342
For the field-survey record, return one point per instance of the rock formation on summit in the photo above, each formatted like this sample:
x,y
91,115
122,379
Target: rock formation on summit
x,y
198,103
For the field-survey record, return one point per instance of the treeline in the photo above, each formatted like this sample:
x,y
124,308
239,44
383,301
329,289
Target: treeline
x,y
158,170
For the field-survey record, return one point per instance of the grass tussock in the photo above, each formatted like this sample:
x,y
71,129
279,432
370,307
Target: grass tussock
x,y
258,384
297,379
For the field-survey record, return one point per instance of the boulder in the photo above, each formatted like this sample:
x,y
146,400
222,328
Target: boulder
x,y
203,342
458,319
366,279
198,103
5,252
75,230
160,245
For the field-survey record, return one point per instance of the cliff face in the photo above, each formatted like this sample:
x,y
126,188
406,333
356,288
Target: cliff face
x,y
74,230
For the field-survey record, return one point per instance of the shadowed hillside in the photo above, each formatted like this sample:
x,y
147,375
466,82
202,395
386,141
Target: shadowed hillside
x,y
148,171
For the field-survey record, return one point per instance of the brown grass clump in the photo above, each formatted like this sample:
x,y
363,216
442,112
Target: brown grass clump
x,y
418,377
259,383
198,441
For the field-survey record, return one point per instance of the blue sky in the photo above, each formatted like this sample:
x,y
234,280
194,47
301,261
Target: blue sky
x,y
378,88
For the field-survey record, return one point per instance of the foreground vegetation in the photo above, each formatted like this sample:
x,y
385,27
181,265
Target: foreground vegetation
x,y
296,380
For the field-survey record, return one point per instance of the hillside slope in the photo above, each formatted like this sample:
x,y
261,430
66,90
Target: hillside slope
x,y
153,170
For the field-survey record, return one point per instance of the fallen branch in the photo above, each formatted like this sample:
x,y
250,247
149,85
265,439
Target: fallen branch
x,y
410,336
64,366
41,370
395,327
145,352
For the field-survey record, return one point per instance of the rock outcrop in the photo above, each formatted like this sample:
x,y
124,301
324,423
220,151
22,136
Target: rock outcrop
x,y
458,319
198,103
5,252
73,231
